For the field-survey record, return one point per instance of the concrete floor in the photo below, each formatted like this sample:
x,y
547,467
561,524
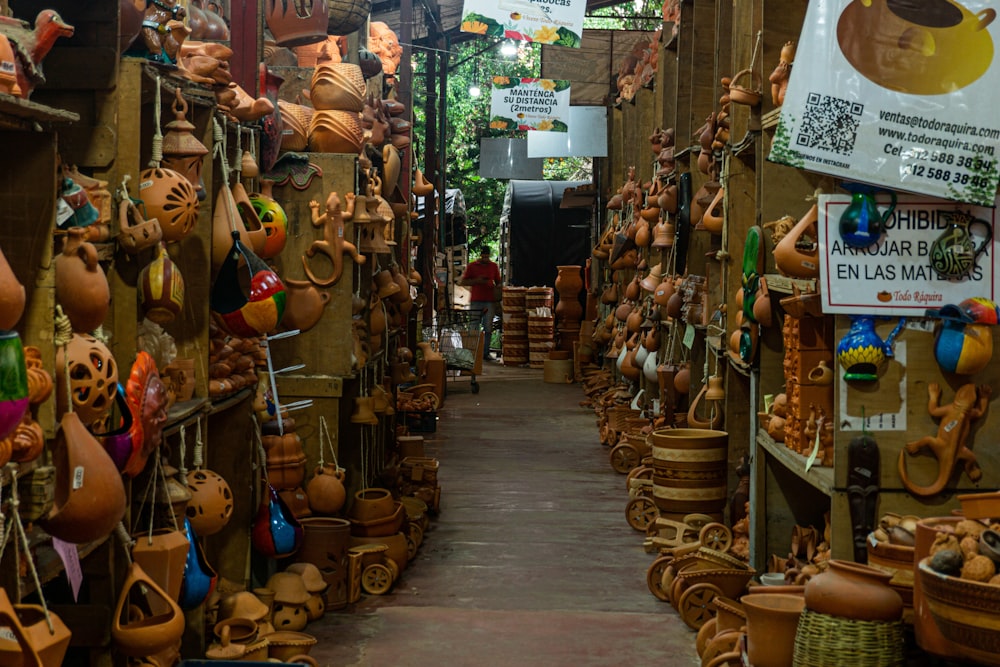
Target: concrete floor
x,y
530,561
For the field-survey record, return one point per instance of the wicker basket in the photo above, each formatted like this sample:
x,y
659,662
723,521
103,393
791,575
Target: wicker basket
x,y
830,641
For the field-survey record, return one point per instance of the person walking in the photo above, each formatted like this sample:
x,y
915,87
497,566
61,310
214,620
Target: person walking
x,y
481,277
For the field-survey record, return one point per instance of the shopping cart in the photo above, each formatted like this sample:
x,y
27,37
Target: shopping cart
x,y
461,342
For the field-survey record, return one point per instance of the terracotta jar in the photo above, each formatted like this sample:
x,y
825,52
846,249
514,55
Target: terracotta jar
x,y
81,286
89,494
326,489
852,590
304,304
12,296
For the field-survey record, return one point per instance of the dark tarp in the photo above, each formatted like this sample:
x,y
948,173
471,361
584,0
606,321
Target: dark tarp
x,y
543,236
455,232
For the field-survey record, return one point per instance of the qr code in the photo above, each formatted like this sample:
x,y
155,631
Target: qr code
x,y
830,124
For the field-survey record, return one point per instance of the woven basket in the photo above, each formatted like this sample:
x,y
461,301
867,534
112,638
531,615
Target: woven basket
x,y
346,16
37,491
830,641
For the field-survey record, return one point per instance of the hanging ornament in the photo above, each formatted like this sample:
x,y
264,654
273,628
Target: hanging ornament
x,y
182,151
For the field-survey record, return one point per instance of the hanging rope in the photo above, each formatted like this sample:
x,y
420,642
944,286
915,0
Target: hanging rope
x,y
324,438
23,535
199,447
157,156
63,336
126,540
182,467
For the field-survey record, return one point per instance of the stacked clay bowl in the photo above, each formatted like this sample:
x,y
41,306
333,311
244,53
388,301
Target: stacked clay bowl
x,y
295,119
337,86
336,132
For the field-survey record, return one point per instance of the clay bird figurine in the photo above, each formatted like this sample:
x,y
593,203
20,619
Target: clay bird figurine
x,y
31,45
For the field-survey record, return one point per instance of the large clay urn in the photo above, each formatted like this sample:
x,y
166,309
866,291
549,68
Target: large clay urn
x,y
11,296
326,489
89,494
856,591
81,286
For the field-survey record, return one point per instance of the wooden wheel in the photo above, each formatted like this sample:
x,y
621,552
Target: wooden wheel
x,y
654,577
734,659
695,604
726,641
639,472
431,398
640,512
705,635
697,521
674,592
393,567
716,536
417,533
624,458
376,579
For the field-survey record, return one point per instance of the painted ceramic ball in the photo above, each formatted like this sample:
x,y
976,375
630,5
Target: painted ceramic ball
x,y
981,310
275,222
961,348
262,312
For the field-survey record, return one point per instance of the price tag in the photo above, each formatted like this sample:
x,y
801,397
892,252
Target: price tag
x,y
71,563
77,477
689,336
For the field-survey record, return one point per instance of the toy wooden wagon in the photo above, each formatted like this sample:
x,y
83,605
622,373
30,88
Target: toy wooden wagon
x,y
702,576
371,570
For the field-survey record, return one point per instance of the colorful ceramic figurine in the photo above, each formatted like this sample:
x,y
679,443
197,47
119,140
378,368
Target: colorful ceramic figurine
x,y
861,351
861,223
964,341
949,445
156,28
31,47
333,244
954,252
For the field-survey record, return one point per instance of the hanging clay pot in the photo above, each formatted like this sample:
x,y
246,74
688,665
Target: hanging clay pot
x,y
226,220
712,218
792,255
161,288
49,645
276,533
134,233
133,632
12,296
274,221
199,578
93,378
682,379
20,649
89,495
81,286
326,489
170,198
162,554
211,504
241,314
256,233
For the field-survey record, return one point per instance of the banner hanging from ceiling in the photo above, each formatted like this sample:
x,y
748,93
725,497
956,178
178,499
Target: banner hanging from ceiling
x,y
896,99
529,104
557,22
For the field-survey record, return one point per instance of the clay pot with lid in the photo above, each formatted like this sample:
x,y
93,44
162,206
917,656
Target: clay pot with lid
x,y
81,286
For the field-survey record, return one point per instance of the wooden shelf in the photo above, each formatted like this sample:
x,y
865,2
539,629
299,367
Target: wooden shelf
x,y
779,283
769,120
20,113
819,477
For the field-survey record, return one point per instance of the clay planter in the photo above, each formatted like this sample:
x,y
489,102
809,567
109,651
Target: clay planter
x,y
689,470
967,614
852,590
138,636
50,647
325,543
81,286
286,644
86,506
381,526
326,489
772,619
371,504
162,555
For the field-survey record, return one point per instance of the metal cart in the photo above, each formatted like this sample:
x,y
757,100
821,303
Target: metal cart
x,y
461,342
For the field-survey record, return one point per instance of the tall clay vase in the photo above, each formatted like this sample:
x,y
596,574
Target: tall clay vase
x,y
11,296
81,286
325,544
325,490
855,591
161,288
568,284
772,619
89,494
135,634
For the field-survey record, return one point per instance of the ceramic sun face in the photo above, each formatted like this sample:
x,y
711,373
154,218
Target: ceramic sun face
x,y
147,399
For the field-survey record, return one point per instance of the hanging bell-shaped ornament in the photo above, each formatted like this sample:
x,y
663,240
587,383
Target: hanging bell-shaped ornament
x,y
182,151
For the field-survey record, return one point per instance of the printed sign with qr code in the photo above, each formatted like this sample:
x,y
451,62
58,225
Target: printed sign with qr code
x,y
864,103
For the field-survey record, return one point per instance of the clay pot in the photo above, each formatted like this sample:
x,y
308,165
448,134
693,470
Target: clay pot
x,y
371,504
772,619
304,304
276,533
789,258
136,234
86,506
163,555
49,646
852,590
169,197
325,544
161,288
326,489
12,296
211,504
136,635
81,286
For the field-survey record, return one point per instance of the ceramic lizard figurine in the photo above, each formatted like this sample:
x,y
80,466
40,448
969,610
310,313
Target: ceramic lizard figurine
x,y
948,446
333,244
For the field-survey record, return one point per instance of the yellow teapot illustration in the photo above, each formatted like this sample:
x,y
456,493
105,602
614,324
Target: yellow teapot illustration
x,y
922,48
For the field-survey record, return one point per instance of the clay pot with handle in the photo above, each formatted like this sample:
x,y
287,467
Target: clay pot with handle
x,y
304,304
325,490
81,286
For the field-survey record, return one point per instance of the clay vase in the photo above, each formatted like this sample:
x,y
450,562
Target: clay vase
x,y
304,304
12,296
789,258
13,382
161,288
325,545
89,494
134,233
326,489
225,219
855,591
682,380
133,632
772,619
81,286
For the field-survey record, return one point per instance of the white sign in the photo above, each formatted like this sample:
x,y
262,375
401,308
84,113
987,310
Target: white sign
x,y
587,136
892,98
558,22
529,104
895,276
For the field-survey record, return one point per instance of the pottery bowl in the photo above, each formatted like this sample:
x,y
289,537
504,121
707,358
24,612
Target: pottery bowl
x,y
241,630
371,504
285,644
346,73
966,612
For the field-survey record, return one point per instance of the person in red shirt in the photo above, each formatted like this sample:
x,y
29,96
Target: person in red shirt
x,y
481,276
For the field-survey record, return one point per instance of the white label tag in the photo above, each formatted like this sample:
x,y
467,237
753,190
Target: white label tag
x,y
77,477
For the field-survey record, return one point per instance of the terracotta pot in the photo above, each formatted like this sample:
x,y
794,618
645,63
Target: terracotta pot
x,y
89,495
12,296
169,197
138,636
852,590
162,555
211,504
681,455
370,504
81,286
325,544
326,489
928,636
790,259
29,640
304,304
772,619
161,288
